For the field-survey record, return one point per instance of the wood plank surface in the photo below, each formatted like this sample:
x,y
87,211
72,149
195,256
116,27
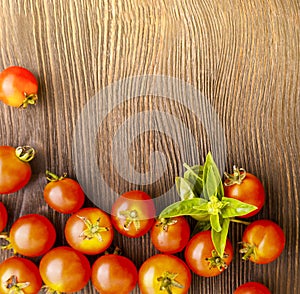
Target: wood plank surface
x,y
242,56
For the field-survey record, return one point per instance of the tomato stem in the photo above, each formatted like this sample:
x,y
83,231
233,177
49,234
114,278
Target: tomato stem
x,y
51,177
167,281
237,177
234,220
9,246
49,290
132,217
29,99
164,223
248,250
217,261
25,153
14,287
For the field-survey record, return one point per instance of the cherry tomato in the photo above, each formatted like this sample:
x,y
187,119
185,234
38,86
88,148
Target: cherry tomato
x,y
133,214
245,187
89,231
3,217
113,273
18,87
202,258
15,171
63,194
163,273
64,269
252,288
263,241
31,235
170,235
19,274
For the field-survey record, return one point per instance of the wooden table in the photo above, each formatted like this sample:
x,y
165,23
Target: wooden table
x,y
242,56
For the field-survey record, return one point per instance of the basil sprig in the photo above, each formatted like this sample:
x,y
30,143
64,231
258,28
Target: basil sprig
x,y
202,197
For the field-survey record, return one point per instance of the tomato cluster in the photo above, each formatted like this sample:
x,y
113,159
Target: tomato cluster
x,y
90,230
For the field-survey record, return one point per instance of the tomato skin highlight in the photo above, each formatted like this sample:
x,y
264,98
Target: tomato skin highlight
x,y
156,267
170,238
64,196
252,288
3,217
199,249
14,173
133,214
89,243
64,269
113,273
16,84
263,241
250,191
32,235
24,270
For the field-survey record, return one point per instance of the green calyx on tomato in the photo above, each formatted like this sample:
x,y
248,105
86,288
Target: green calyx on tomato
x,y
248,250
30,99
5,236
216,261
51,177
25,153
164,223
167,281
93,230
132,217
202,197
239,174
15,287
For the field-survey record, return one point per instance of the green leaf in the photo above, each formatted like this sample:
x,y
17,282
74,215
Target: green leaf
x,y
212,182
215,222
219,238
201,226
235,208
184,188
185,207
194,174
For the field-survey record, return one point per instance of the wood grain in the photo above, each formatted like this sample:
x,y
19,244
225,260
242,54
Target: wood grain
x,y
242,55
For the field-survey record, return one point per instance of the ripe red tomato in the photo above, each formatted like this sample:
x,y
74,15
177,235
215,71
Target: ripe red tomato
x,y
113,273
263,241
245,187
19,274
202,258
89,231
31,235
163,273
63,194
252,288
18,87
3,217
170,235
15,171
64,269
133,214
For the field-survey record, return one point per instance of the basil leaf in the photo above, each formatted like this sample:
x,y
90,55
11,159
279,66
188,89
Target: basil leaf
x,y
213,185
184,188
200,227
235,207
215,222
184,207
219,238
194,174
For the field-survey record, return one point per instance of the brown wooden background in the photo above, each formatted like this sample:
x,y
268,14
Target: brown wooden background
x,y
242,55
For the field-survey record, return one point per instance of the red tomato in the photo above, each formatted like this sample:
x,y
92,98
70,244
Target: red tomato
x,y
113,273
63,194
263,241
252,288
31,235
245,187
202,258
170,235
18,87
3,217
19,274
133,214
89,231
164,273
64,269
15,171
